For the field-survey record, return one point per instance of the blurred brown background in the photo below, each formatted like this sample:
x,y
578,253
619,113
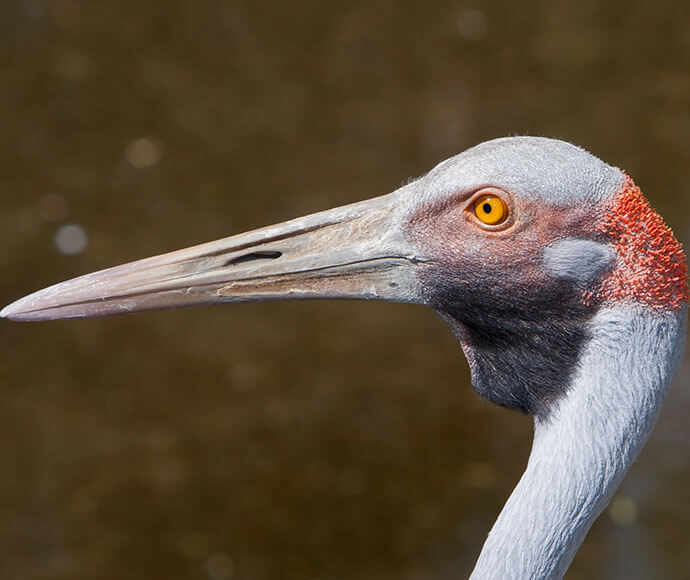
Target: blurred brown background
x,y
296,440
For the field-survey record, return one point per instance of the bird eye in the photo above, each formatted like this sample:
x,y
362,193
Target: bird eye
x,y
490,210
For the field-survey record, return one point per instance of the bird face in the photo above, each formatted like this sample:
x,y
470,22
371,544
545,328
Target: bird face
x,y
516,243
513,290
519,293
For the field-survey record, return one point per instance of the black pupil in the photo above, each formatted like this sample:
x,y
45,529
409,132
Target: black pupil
x,y
487,207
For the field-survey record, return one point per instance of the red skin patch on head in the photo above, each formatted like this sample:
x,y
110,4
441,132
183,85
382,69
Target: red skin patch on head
x,y
651,268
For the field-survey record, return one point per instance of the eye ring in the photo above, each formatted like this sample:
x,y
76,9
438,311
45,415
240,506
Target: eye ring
x,y
488,207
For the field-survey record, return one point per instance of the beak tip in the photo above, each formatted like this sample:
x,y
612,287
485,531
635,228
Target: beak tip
x,y
9,312
19,310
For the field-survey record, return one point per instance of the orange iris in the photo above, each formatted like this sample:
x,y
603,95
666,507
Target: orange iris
x,y
490,209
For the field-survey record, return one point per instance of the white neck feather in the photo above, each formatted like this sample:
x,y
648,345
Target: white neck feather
x,y
584,448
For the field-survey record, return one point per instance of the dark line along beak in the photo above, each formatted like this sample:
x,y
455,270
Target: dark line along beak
x,y
356,251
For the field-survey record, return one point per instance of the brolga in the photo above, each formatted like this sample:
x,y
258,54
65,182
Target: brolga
x,y
565,289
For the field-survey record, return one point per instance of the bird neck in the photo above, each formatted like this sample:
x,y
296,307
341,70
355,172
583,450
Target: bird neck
x,y
585,445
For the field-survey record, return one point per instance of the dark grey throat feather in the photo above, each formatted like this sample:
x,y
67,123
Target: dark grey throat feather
x,y
523,332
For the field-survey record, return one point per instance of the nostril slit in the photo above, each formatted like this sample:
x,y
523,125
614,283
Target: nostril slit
x,y
252,257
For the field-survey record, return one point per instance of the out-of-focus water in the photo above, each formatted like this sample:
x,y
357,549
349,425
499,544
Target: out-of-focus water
x,y
294,441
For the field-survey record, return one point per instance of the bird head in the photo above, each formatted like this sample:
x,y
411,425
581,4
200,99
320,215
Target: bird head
x,y
517,243
529,239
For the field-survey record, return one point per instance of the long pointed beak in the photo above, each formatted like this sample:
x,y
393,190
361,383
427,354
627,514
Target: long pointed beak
x,y
356,251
